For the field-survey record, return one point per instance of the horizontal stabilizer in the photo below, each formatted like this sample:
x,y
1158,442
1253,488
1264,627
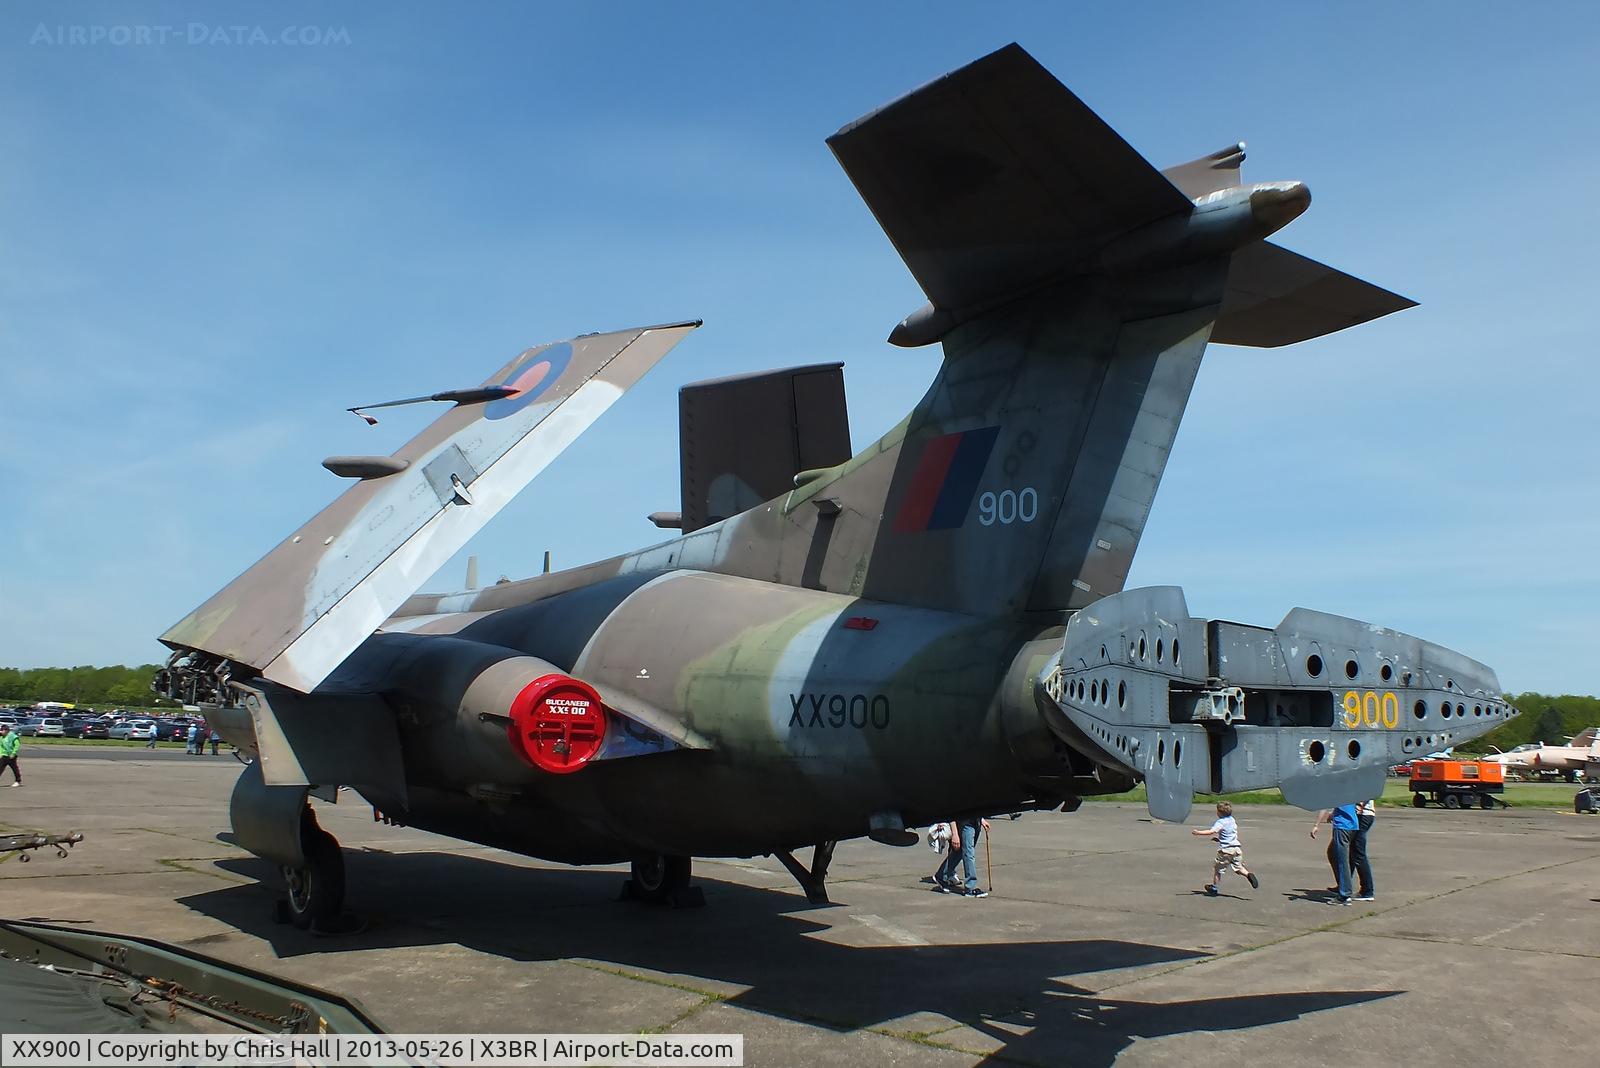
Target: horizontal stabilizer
x,y
306,605
1277,297
993,178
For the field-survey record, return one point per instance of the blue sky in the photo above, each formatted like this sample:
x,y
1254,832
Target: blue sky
x,y
210,247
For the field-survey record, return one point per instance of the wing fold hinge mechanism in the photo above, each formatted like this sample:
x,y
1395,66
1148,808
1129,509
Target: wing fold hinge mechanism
x,y
1319,706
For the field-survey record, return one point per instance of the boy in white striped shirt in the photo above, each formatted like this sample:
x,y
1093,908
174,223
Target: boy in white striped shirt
x,y
1230,855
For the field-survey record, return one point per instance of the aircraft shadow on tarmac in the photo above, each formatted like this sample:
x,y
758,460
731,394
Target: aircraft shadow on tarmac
x,y
1016,993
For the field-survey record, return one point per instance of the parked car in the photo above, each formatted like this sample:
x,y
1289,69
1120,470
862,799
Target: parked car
x,y
177,728
28,726
94,728
52,727
137,730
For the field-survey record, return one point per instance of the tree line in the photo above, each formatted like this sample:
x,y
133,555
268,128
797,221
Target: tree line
x,y
1545,718
98,687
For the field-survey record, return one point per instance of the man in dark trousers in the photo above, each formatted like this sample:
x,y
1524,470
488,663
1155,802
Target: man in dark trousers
x,y
1366,816
10,745
1344,825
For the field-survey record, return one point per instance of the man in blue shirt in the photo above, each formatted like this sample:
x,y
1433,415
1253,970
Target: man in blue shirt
x,y
1345,824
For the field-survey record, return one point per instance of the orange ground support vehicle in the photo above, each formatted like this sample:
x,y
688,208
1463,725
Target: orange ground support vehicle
x,y
1457,783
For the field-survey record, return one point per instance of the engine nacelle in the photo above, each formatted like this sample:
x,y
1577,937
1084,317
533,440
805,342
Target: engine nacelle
x,y
497,713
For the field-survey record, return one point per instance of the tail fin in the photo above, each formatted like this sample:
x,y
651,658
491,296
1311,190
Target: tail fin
x,y
1023,480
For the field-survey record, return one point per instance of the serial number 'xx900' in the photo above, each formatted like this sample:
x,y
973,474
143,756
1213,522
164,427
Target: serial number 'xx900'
x,y
858,710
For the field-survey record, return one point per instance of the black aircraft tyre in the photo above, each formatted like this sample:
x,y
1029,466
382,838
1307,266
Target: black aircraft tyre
x,y
316,891
658,877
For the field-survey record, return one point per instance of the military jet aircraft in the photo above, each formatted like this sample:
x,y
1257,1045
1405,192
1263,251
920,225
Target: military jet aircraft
x,y
830,635
1579,758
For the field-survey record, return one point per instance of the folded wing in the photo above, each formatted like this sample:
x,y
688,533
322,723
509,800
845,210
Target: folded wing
x,y
305,606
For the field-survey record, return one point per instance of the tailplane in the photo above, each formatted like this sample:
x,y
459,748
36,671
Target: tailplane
x,y
1074,288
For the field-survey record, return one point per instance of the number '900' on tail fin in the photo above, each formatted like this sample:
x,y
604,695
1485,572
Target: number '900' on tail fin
x,y
299,611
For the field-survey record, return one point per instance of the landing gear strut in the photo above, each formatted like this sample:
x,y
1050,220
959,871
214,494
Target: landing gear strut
x,y
316,889
813,882
663,880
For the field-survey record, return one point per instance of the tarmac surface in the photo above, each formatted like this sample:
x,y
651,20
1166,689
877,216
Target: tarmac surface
x,y
1096,947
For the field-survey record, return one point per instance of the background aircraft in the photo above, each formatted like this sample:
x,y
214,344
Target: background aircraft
x,y
839,646
1579,758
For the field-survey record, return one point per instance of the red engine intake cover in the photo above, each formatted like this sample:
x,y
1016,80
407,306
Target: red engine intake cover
x,y
557,723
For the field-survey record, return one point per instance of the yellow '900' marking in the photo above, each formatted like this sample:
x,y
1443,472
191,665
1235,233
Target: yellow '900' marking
x,y
1370,709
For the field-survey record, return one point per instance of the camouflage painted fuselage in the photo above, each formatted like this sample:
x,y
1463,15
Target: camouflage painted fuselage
x,y
819,709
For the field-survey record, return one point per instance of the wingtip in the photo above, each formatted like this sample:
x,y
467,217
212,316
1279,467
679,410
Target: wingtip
x,y
1008,52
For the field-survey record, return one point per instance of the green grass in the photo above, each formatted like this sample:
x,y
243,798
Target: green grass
x,y
1396,794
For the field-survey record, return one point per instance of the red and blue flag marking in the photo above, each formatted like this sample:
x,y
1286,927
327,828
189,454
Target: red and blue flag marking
x,y
945,481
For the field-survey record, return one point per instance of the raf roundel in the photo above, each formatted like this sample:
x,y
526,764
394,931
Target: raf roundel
x,y
535,373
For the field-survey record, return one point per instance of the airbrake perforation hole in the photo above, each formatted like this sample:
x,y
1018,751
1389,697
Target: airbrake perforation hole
x,y
1386,672
1161,750
1316,752
1177,752
1314,665
1160,650
1122,695
1351,669
1141,647
1420,709
1174,652
1477,710
1355,750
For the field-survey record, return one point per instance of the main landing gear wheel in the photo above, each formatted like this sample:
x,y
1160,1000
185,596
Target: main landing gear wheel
x,y
316,891
661,879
